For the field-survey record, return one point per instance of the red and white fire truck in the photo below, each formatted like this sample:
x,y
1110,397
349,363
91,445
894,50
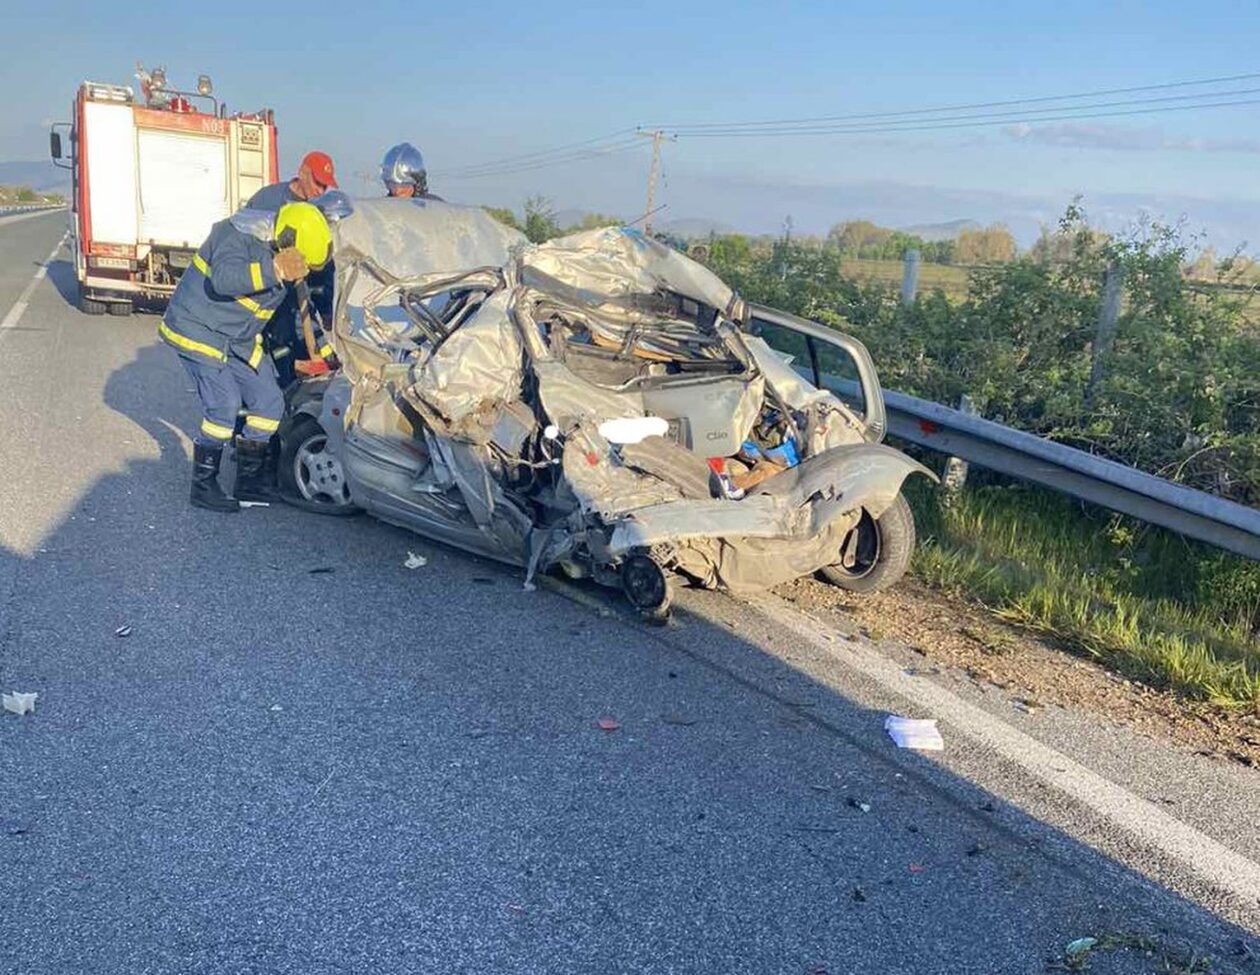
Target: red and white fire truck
x,y
150,176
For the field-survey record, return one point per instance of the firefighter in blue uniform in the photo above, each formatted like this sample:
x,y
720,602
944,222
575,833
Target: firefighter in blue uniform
x,y
316,178
214,322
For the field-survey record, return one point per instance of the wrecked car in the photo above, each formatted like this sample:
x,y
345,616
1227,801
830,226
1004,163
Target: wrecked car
x,y
599,405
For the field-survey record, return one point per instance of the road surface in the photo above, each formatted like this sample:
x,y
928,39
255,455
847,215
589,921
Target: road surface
x,y
307,758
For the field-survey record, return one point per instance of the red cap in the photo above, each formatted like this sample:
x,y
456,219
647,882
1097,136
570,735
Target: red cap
x,y
321,166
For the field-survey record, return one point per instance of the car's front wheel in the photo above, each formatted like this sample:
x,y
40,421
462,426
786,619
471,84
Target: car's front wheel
x,y
877,552
310,474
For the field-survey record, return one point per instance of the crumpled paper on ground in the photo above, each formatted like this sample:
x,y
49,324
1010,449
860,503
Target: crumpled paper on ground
x,y
19,703
921,734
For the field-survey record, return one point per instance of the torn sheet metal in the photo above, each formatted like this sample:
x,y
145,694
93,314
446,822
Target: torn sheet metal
x,y
610,265
411,239
475,369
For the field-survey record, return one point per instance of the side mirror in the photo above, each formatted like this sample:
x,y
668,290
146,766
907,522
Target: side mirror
x,y
54,144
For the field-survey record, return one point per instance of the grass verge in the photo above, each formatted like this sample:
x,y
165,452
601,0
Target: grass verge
x,y
1148,603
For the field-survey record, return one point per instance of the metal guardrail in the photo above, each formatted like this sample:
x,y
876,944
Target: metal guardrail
x,y
1152,499
1196,514
7,211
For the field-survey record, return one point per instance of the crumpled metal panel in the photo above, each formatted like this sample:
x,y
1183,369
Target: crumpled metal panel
x,y
599,266
830,423
411,238
475,369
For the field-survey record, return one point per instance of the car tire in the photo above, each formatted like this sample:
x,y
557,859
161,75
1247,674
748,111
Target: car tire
x,y
120,308
884,547
90,306
647,586
308,479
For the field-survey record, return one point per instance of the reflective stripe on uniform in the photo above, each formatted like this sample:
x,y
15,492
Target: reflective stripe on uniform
x,y
325,351
255,357
255,273
262,423
189,345
281,352
259,311
216,430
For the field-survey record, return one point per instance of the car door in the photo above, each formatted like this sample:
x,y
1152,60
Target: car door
x,y
827,359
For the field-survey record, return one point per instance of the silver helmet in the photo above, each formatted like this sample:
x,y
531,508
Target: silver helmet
x,y
403,164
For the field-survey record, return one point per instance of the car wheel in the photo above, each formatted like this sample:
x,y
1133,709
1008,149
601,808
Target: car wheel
x,y
877,552
310,474
647,586
90,306
120,307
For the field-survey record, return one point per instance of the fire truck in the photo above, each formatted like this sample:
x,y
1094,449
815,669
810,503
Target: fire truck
x,y
151,174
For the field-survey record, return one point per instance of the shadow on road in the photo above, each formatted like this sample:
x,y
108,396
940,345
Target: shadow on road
x,y
304,757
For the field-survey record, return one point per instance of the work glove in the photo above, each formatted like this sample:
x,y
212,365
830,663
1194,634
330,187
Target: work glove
x,y
290,265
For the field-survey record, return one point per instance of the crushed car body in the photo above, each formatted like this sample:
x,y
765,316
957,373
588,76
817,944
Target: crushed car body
x,y
595,403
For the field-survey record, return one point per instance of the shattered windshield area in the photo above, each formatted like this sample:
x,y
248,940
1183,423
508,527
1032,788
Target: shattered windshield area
x,y
667,336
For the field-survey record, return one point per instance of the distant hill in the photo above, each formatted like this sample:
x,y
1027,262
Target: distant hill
x,y
941,231
41,176
691,227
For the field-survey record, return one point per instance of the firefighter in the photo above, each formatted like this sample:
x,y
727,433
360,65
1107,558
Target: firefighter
x,y
214,323
404,174
315,179
314,176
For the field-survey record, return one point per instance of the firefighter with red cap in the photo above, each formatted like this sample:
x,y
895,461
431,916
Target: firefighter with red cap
x,y
315,177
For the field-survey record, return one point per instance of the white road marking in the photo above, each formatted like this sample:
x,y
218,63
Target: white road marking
x,y
1220,866
19,306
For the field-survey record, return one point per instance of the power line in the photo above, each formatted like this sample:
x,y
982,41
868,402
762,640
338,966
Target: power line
x,y
531,156
967,107
612,149
871,123
929,125
1031,113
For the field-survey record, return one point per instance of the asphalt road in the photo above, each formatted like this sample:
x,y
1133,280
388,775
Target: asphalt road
x,y
306,758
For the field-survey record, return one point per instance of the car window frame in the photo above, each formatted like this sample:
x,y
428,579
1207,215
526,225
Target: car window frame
x,y
873,413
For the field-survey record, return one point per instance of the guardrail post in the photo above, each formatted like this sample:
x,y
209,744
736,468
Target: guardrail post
x,y
1105,334
909,276
955,476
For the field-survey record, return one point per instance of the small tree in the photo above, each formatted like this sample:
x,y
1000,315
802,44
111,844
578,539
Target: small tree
x,y
540,220
504,216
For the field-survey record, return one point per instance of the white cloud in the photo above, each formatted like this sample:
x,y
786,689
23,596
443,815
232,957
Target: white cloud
x,y
1075,135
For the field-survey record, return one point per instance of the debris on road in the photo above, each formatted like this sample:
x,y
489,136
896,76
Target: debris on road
x,y
1079,949
254,504
607,724
321,570
859,895
415,561
855,804
123,631
19,703
920,734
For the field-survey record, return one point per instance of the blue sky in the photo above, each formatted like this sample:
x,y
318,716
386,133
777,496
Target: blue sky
x,y
471,83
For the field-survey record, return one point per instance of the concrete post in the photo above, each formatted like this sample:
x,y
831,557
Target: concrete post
x,y
909,276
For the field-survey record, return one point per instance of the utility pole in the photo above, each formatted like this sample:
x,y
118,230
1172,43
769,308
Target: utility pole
x,y
654,173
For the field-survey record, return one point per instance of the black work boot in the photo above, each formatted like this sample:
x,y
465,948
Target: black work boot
x,y
206,492
255,471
